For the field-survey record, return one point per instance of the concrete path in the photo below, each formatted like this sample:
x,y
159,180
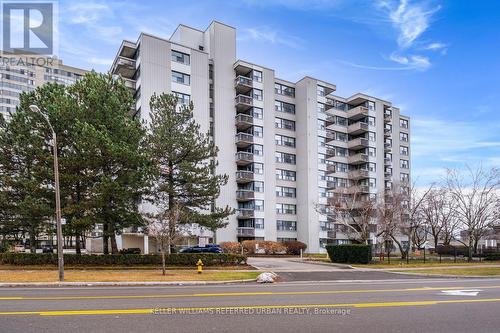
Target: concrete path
x,y
276,264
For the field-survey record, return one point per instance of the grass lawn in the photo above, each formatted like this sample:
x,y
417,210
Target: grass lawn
x,y
89,275
470,271
118,268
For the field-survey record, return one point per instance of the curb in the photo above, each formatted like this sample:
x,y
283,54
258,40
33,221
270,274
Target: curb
x,y
344,266
120,284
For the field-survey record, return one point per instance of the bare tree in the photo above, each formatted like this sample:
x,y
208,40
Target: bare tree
x,y
475,193
399,215
354,211
163,227
439,212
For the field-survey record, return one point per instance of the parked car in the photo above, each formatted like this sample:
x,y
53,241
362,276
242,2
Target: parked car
x,y
212,248
47,249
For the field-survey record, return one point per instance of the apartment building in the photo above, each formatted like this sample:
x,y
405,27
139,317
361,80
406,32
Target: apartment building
x,y
286,146
24,73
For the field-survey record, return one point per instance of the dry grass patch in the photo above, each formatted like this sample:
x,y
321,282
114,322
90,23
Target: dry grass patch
x,y
84,275
470,271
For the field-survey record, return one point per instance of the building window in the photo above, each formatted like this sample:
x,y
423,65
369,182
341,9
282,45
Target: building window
x,y
388,156
183,58
404,177
403,123
404,164
285,175
257,75
282,140
288,192
284,123
281,89
257,112
257,94
181,78
286,209
403,150
258,150
284,225
321,124
284,107
321,108
257,168
182,98
371,136
371,121
403,136
341,121
371,106
372,152
285,158
321,91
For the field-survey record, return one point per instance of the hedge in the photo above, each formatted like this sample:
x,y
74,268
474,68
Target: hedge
x,y
175,259
294,247
350,253
452,250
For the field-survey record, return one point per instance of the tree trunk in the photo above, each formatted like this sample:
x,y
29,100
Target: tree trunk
x,y
32,241
78,250
105,248
163,269
114,247
471,246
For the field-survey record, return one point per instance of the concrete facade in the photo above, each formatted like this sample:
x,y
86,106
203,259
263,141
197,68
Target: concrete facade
x,y
286,146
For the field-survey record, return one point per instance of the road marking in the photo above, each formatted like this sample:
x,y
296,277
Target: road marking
x,y
249,307
468,292
229,294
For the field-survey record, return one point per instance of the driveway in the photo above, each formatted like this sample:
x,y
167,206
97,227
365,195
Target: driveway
x,y
294,269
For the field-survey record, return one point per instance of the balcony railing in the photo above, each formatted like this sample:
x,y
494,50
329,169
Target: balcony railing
x,y
357,158
357,128
244,102
244,176
246,232
243,120
243,80
244,139
359,174
245,194
331,234
330,168
357,143
244,157
245,213
357,112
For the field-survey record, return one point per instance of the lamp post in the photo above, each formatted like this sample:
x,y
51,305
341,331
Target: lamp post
x,y
60,257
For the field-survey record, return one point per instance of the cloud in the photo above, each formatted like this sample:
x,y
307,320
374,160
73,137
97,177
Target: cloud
x,y
268,35
411,21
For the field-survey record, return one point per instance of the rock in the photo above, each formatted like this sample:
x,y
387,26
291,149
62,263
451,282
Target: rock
x,y
267,277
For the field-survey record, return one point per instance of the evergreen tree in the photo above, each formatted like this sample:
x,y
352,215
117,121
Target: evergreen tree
x,y
184,159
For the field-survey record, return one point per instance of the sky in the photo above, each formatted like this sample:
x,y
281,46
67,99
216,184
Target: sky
x,y
438,61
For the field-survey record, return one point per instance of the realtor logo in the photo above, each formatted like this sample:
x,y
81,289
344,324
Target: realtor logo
x,y
28,27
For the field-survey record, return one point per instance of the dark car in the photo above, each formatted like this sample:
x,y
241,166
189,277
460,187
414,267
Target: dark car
x,y
47,249
212,248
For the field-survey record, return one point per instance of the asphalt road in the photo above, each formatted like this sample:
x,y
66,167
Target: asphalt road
x,y
424,305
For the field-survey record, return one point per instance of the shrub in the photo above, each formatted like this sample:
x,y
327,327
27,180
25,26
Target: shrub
x,y
231,247
249,246
350,253
449,250
271,247
294,247
491,254
176,259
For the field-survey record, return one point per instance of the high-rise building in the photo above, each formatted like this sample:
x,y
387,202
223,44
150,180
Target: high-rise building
x,y
286,146
20,73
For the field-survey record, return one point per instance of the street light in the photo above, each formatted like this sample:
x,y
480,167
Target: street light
x,y
60,257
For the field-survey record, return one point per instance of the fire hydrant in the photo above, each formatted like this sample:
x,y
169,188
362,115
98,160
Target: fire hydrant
x,y
200,266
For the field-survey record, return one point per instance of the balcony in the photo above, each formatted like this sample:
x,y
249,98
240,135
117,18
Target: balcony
x,y
387,160
244,158
245,232
129,84
357,128
244,139
359,174
358,189
244,176
358,112
331,184
331,234
357,143
243,102
387,117
387,146
330,152
330,168
245,195
243,84
387,175
387,132
244,213
359,158
243,121
125,67
330,136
